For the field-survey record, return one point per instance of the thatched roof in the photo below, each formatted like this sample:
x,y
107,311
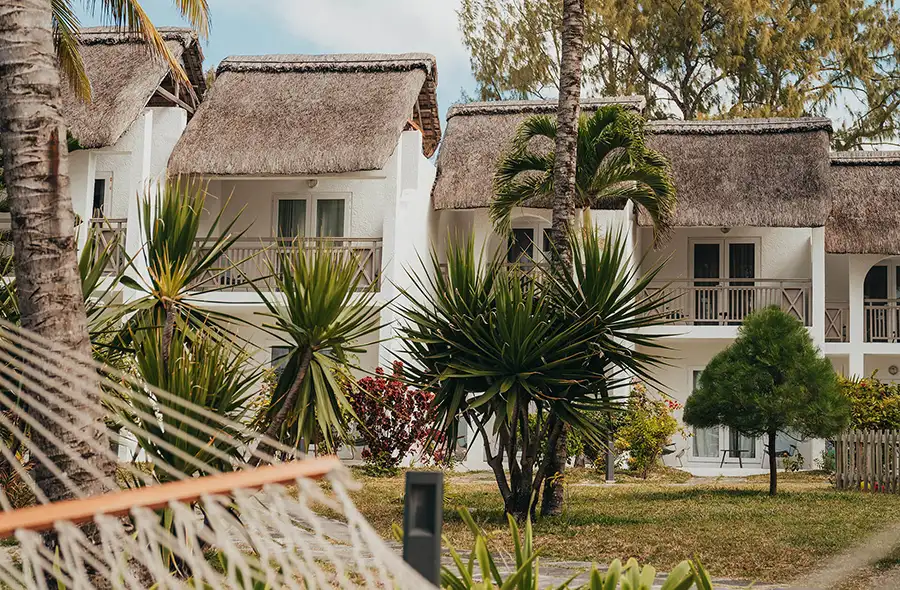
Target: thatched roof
x,y
478,134
747,172
309,114
123,80
865,215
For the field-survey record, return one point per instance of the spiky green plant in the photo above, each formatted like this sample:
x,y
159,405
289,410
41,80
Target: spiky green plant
x,y
316,307
201,372
525,572
182,261
494,346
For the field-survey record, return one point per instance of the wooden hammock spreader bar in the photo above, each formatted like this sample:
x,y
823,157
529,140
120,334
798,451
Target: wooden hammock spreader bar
x,y
42,517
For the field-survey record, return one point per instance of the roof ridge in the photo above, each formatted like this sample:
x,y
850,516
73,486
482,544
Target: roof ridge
x,y
865,158
116,35
502,107
335,62
741,126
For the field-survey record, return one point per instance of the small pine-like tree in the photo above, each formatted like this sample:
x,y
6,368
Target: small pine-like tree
x,y
771,379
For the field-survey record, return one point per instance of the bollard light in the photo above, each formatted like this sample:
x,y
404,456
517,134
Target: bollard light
x,y
423,517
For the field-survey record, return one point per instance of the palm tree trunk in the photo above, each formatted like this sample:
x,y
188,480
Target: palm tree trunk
x,y
33,142
564,198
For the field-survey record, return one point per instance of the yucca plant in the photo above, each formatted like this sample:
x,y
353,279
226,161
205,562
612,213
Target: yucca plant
x,y
613,164
493,347
319,310
182,261
200,371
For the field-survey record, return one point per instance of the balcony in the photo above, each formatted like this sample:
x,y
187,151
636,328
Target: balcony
x,y
714,302
882,320
248,260
109,230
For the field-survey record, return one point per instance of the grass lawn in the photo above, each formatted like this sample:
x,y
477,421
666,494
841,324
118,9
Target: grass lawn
x,y
733,526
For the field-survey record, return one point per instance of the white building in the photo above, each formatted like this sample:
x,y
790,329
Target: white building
x,y
333,149
762,201
127,131
336,148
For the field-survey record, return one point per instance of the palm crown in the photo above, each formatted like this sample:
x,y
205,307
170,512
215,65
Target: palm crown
x,y
127,15
614,164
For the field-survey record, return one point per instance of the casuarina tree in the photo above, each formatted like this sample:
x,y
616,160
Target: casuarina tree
x,y
771,379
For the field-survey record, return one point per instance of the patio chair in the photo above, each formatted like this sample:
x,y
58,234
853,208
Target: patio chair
x,y
670,449
779,453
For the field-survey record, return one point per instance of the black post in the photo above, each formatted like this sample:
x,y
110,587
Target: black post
x,y
423,517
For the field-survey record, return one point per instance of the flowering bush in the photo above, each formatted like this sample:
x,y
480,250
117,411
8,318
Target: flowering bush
x,y
874,404
647,426
393,418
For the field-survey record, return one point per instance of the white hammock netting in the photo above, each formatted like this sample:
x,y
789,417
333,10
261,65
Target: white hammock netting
x,y
215,514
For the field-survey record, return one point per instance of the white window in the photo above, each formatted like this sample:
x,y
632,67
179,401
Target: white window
x,y
323,216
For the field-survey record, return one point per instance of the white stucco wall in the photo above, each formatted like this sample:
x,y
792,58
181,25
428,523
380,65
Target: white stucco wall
x,y
253,201
784,253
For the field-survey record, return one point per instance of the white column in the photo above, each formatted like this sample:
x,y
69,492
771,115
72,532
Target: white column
x,y
856,274
82,170
817,246
140,182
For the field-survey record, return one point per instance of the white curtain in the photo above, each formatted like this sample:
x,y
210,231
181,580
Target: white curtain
x,y
330,218
291,218
706,442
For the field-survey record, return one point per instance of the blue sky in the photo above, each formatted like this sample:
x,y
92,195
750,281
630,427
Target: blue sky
x,y
241,27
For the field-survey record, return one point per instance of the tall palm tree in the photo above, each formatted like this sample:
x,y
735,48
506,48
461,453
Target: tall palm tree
x,y
613,164
129,15
33,142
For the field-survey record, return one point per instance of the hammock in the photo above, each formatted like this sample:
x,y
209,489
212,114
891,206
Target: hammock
x,y
210,509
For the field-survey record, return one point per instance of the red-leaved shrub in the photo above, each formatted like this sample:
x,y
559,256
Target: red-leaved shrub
x,y
393,418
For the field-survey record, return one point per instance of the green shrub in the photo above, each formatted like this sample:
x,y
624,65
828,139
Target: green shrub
x,y
646,428
874,404
827,461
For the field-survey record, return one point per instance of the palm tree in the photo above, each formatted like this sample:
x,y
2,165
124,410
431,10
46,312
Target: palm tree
x,y
614,164
33,143
323,315
128,15
493,346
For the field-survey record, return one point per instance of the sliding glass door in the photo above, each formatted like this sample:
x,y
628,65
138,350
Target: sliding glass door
x,y
717,300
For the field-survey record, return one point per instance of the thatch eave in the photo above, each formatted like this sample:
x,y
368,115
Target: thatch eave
x,y
865,212
307,115
124,79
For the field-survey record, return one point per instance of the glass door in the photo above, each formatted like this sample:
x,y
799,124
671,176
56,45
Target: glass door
x,y
521,246
707,265
875,294
741,265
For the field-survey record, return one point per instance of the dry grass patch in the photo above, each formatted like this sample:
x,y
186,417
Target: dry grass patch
x,y
735,528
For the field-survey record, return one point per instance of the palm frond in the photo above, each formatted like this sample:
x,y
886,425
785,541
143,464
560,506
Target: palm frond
x,y
130,16
68,48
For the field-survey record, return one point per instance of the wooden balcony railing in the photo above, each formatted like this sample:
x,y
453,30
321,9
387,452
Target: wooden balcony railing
x,y
248,260
882,320
109,230
711,302
837,322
